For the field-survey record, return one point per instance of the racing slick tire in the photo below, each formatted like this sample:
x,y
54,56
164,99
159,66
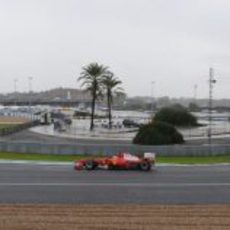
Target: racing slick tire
x,y
90,165
145,165
112,167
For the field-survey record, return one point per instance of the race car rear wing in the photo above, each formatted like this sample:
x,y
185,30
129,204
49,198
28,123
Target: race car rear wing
x,y
150,156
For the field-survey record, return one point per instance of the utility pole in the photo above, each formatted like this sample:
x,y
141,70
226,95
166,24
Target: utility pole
x,y
211,82
195,92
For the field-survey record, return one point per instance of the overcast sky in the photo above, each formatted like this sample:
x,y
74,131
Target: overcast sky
x,y
169,42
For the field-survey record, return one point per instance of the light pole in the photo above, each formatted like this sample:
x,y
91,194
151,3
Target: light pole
x,y
30,93
15,85
195,92
211,82
30,83
15,90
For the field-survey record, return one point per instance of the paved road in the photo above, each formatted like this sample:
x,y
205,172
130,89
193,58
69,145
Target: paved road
x,y
25,183
29,136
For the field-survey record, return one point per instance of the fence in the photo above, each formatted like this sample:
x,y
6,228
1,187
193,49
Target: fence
x,y
109,149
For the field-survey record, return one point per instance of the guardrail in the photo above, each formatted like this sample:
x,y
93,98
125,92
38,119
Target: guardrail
x,y
109,149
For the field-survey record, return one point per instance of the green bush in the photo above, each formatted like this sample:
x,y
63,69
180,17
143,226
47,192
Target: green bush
x,y
176,115
13,128
158,133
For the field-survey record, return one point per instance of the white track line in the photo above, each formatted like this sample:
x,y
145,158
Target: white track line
x,y
30,162
117,184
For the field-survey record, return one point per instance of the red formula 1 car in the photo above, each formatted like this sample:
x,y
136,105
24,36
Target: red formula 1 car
x,y
118,161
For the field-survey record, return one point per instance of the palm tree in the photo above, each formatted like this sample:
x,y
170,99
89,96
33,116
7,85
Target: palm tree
x,y
92,78
110,84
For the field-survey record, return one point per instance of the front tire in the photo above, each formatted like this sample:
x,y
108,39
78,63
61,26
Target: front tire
x,y
90,165
145,165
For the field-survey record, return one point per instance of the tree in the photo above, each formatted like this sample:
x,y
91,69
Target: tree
x,y
110,84
176,115
158,133
193,107
92,76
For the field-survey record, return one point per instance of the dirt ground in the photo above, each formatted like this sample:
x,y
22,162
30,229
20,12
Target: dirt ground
x,y
12,120
119,217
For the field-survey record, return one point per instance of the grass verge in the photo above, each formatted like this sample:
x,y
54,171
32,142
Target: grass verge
x,y
4,126
71,158
39,157
195,159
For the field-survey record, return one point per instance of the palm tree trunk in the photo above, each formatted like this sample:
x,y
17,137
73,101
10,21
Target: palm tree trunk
x,y
92,112
109,110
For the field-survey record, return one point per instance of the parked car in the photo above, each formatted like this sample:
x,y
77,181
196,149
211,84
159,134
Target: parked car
x,y
130,123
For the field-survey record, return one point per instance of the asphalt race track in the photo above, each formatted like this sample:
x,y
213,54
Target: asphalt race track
x,y
34,183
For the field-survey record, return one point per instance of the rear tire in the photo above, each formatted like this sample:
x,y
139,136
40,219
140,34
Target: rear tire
x,y
111,167
145,165
90,165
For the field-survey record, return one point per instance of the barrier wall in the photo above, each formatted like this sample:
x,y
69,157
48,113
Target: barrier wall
x,y
107,149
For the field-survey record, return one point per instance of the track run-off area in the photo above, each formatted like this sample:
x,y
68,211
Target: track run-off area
x,y
114,217
61,184
55,196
